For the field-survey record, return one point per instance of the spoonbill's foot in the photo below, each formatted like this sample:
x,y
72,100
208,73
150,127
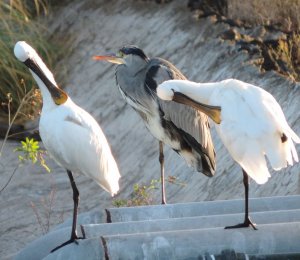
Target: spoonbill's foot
x,y
72,240
247,223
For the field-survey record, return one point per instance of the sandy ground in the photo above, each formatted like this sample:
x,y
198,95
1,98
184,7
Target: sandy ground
x,y
168,31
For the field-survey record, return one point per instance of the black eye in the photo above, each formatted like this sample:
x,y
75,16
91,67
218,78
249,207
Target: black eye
x,y
120,54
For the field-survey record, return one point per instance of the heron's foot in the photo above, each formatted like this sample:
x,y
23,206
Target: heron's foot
x,y
163,202
247,223
72,240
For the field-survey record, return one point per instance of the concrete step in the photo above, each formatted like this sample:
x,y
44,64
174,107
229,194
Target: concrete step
x,y
204,208
58,236
270,239
178,231
199,222
189,244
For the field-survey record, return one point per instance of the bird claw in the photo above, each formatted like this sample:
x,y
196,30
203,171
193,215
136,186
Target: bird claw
x,y
72,240
63,244
247,223
82,232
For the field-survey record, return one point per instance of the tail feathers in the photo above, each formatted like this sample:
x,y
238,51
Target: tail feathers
x,y
293,135
109,179
200,162
208,164
291,149
254,163
281,153
257,169
111,184
203,159
112,177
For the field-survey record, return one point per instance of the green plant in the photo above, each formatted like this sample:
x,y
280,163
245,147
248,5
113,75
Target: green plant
x,y
30,151
141,195
30,148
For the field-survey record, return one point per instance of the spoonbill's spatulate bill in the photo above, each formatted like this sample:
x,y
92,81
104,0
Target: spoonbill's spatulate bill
x,y
70,134
184,129
249,121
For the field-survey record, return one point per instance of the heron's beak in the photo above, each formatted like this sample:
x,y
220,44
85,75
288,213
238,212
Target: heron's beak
x,y
110,58
214,112
58,95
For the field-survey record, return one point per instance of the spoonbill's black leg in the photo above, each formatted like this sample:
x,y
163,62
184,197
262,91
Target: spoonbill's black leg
x,y
247,220
75,213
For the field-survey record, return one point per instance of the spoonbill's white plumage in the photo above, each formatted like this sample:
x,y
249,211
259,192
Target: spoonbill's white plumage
x,y
249,121
70,134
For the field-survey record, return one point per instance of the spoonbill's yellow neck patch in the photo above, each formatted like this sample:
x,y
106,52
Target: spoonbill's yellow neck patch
x,y
58,95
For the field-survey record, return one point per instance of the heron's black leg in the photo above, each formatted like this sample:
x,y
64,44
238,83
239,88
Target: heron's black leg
x,y
75,213
162,172
247,220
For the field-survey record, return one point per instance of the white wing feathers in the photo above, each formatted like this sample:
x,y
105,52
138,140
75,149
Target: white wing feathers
x,y
82,145
281,153
263,130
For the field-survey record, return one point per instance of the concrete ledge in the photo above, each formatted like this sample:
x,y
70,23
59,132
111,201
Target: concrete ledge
x,y
188,244
204,208
178,231
91,217
132,227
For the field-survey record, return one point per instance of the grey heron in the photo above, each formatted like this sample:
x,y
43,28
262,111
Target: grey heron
x,y
70,134
184,129
249,121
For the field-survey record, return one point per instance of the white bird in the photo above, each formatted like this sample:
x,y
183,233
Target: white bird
x,y
70,134
249,121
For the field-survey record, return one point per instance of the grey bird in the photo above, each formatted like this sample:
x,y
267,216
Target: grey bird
x,y
184,129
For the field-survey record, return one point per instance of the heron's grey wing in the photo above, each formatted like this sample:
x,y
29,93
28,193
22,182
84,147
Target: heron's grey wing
x,y
186,118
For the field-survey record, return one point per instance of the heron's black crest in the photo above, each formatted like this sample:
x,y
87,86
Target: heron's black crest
x,y
134,50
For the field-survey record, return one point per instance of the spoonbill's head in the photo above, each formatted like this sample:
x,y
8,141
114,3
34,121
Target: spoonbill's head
x,y
166,90
26,54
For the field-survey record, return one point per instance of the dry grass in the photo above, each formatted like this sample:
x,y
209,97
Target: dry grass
x,y
281,14
18,21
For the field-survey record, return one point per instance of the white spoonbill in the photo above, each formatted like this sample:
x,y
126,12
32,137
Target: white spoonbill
x,y
70,134
249,121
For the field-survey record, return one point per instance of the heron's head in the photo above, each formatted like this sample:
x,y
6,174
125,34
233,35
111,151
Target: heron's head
x,y
129,55
26,54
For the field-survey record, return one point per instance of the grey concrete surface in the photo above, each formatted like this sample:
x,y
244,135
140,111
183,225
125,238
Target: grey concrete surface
x,y
180,238
203,208
210,221
41,247
90,217
88,249
269,239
